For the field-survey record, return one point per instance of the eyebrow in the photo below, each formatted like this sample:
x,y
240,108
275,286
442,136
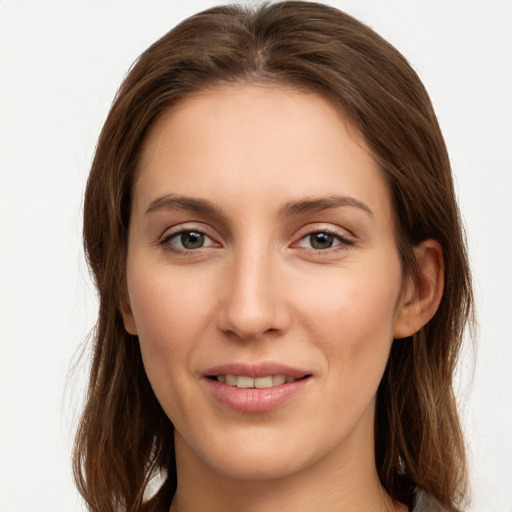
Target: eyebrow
x,y
321,203
173,202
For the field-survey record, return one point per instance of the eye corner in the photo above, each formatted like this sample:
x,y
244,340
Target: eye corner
x,y
324,240
185,240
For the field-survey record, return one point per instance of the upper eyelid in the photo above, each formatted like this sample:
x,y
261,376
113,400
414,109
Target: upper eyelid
x,y
184,227
169,235
301,233
321,227
343,238
164,241
344,235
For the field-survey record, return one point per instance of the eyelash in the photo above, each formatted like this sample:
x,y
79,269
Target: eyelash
x,y
343,241
165,241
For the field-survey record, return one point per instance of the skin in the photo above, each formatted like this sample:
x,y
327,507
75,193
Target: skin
x,y
257,291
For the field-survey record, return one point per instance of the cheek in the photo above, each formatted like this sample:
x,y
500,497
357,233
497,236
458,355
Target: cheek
x,y
170,313
351,319
353,309
166,302
355,335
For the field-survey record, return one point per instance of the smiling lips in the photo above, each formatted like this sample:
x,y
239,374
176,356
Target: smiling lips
x,y
255,389
245,382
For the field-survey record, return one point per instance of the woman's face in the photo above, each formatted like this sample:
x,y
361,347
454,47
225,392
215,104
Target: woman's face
x,y
263,280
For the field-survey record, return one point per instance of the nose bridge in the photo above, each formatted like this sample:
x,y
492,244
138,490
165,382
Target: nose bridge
x,y
252,303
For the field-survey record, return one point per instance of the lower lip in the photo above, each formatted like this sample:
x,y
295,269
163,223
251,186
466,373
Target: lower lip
x,y
255,400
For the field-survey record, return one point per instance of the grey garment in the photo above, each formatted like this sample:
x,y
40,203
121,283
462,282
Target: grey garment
x,y
425,503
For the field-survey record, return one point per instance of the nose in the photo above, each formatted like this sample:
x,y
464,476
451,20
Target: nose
x,y
252,301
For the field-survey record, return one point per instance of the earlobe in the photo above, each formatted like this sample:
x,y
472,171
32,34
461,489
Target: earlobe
x,y
423,295
128,319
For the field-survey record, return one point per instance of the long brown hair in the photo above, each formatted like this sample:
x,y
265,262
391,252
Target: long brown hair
x,y
125,437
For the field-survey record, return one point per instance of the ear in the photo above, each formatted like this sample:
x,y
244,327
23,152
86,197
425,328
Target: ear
x,y
422,295
128,319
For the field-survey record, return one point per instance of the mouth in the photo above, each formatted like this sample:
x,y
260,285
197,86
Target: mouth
x,y
246,382
256,388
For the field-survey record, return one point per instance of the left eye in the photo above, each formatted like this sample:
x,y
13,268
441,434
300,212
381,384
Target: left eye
x,y
321,240
188,240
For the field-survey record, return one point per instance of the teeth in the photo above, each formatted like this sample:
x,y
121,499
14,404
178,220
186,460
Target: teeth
x,y
241,381
244,382
263,382
278,379
231,380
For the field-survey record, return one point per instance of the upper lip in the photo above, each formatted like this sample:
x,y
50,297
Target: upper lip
x,y
256,370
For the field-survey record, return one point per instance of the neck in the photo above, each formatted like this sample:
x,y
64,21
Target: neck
x,y
345,480
223,494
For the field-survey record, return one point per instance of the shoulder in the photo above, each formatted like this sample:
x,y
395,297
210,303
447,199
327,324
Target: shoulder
x,y
425,503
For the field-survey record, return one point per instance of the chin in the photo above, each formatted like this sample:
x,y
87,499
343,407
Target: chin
x,y
260,466
256,453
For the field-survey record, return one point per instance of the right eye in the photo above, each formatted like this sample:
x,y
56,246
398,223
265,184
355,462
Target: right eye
x,y
187,240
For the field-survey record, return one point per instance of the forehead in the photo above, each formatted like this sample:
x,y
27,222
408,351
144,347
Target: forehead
x,y
257,141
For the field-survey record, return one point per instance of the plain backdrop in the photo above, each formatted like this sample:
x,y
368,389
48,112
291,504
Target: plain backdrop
x,y
60,65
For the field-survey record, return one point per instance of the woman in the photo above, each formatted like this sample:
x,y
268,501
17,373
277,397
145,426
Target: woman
x,y
271,223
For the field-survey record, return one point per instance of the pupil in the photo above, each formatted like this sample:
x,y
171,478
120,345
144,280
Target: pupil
x,y
321,240
192,240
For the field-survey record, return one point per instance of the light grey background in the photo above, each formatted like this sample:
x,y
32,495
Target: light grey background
x,y
60,65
